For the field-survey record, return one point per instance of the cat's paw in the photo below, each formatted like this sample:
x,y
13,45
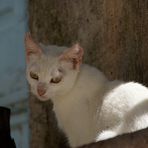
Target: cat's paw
x,y
106,135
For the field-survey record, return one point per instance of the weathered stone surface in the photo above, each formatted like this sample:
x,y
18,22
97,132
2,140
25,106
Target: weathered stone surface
x,y
113,33
44,132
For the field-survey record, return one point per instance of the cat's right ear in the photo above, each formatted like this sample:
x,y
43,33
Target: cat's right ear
x,y
33,50
73,56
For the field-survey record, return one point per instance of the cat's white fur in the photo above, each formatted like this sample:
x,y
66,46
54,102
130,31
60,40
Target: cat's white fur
x,y
87,105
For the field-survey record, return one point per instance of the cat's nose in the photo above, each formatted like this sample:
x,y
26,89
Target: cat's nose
x,y
41,92
41,89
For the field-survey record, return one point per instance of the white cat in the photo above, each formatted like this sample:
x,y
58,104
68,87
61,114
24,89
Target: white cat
x,y
87,105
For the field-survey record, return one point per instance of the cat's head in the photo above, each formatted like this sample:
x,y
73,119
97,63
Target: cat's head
x,y
50,76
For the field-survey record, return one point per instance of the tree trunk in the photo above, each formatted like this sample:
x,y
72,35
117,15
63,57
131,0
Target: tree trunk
x,y
114,34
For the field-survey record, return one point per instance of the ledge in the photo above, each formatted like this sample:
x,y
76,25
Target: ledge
x,y
137,139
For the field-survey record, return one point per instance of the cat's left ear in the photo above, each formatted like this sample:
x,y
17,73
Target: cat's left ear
x,y
73,55
32,48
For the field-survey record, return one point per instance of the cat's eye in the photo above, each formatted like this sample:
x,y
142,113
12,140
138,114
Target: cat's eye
x,y
60,70
56,80
34,76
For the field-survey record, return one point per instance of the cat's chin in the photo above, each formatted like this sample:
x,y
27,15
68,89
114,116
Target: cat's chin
x,y
43,98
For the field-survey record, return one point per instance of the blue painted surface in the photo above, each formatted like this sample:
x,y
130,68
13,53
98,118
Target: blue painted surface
x,y
13,87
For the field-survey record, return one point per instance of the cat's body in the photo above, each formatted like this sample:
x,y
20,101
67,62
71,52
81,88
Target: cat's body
x,y
87,105
96,106
76,111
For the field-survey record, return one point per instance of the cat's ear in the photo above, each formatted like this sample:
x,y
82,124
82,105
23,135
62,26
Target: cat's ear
x,y
32,48
73,55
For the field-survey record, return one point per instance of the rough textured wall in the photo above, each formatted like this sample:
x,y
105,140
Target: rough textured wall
x,y
113,33
44,132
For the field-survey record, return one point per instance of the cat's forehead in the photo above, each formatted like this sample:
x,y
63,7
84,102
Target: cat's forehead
x,y
48,59
44,63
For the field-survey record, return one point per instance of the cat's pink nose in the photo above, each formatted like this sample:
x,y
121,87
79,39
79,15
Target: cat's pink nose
x,y
41,92
41,88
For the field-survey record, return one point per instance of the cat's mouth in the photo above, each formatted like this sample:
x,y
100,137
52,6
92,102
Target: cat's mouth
x,y
43,98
